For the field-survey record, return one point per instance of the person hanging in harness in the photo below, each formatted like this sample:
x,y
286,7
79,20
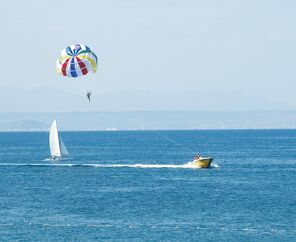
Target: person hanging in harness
x,y
88,94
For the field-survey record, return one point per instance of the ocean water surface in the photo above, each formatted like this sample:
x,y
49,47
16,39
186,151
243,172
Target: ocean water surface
x,y
135,186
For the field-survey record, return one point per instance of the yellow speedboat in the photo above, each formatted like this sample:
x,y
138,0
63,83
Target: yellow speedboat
x,y
201,162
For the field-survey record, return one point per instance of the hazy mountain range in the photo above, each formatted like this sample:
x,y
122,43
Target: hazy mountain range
x,y
34,110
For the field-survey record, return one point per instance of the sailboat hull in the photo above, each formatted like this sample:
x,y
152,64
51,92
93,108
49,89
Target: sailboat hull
x,y
55,157
201,162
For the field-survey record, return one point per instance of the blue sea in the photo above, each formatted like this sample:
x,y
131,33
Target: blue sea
x,y
135,186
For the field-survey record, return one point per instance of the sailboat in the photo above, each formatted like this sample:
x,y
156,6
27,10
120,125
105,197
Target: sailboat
x,y
58,149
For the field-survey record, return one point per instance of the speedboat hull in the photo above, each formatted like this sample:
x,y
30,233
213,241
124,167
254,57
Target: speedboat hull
x,y
201,162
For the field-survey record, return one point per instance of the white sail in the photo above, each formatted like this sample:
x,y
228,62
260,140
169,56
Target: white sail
x,y
64,151
57,147
54,144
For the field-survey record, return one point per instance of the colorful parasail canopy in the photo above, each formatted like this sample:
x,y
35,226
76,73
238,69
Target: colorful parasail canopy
x,y
76,60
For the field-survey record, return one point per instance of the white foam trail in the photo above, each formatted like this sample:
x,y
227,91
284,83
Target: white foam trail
x,y
144,166
155,166
36,164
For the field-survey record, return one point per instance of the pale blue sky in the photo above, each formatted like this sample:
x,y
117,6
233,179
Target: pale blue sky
x,y
246,47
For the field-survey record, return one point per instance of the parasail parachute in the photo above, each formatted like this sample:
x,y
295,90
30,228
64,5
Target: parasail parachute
x,y
76,60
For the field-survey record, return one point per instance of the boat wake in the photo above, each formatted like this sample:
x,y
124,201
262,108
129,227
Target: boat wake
x,y
144,166
153,166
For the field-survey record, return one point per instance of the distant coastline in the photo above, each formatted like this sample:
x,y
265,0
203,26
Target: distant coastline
x,y
149,120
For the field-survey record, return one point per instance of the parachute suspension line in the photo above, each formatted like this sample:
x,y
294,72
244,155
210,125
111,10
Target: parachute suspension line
x,y
173,141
